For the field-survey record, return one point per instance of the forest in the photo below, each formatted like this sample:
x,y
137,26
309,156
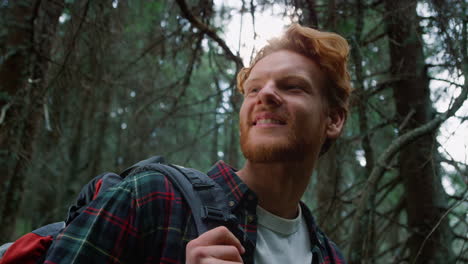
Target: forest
x,y
93,86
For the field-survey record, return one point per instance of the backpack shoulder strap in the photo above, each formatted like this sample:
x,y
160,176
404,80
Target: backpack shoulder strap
x,y
214,209
150,161
205,197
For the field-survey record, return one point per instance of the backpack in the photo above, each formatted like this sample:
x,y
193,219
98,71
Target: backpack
x,y
205,198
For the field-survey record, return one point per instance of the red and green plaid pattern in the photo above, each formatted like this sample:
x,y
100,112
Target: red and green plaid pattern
x,y
145,220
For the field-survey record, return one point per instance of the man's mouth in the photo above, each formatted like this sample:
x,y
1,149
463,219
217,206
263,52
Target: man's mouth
x,y
266,120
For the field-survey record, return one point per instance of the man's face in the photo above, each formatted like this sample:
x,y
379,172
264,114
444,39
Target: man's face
x,y
283,116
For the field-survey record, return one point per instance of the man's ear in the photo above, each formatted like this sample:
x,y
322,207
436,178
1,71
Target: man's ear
x,y
335,122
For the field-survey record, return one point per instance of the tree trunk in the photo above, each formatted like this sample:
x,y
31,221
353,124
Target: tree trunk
x,y
101,50
425,203
233,148
215,142
32,26
326,192
362,246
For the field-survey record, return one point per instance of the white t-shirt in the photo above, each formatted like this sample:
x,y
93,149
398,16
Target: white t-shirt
x,y
281,240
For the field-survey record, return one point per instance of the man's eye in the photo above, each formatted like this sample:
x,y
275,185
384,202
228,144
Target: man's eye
x,y
253,90
294,87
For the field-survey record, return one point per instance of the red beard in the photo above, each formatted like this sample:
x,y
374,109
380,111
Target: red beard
x,y
296,146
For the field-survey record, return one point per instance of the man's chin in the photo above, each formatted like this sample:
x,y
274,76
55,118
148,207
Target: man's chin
x,y
268,153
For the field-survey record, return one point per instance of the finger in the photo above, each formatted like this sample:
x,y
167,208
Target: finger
x,y
218,236
227,253
217,261
206,254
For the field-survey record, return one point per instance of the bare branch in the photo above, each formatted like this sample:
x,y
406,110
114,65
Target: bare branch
x,y
206,29
395,147
447,81
434,228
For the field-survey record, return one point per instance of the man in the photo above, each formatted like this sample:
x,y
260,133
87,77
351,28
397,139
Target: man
x,y
295,104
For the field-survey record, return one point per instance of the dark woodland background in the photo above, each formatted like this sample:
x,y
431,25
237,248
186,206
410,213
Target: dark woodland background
x,y
113,82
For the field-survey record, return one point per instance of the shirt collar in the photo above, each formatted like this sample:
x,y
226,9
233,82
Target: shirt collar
x,y
236,190
312,227
232,185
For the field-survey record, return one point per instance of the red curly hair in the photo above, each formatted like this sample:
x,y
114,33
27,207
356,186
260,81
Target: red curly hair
x,y
330,52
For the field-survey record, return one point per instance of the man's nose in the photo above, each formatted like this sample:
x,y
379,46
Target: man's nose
x,y
269,95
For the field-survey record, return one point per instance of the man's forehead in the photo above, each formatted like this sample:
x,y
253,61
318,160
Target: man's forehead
x,y
283,63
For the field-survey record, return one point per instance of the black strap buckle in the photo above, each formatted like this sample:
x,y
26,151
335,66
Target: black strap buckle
x,y
198,183
213,213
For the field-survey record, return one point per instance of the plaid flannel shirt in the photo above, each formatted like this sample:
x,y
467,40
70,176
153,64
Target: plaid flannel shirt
x,y
145,220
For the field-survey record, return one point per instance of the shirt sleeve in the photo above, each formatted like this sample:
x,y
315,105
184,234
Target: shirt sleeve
x,y
105,232
336,253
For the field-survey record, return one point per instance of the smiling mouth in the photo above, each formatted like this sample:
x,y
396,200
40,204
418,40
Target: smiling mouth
x,y
269,122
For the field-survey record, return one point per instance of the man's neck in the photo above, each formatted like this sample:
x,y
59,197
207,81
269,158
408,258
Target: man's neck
x,y
279,186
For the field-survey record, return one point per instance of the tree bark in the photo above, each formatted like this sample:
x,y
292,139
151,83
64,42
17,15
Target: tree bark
x,y
100,50
362,246
425,202
215,142
233,148
326,192
31,29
